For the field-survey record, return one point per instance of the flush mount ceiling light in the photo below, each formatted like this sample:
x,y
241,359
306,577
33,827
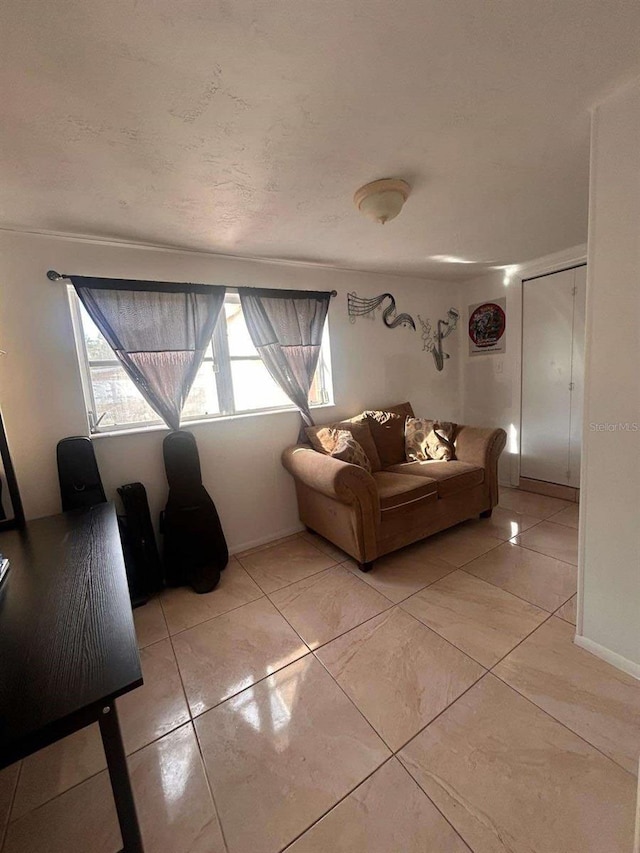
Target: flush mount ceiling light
x,y
382,200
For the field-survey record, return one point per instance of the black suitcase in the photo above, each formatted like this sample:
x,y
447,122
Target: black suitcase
x,y
195,550
80,483
145,572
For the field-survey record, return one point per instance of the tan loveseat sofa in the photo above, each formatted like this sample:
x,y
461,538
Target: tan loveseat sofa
x,y
371,514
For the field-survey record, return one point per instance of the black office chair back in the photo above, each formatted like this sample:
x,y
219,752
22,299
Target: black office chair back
x,y
80,483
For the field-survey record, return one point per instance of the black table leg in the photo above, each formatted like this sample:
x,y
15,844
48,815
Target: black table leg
x,y
120,782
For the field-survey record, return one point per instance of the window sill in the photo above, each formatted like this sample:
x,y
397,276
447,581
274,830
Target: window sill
x,y
200,421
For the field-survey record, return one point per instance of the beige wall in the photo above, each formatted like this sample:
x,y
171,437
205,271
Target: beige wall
x,y
41,396
609,588
491,385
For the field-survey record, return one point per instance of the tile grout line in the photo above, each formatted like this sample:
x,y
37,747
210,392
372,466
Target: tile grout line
x,y
287,585
388,610
556,612
514,594
310,653
564,725
274,545
315,657
199,746
247,552
417,781
517,545
209,786
209,618
434,804
542,554
14,794
468,654
346,631
392,604
411,594
255,683
394,753
444,710
361,713
336,804
348,559
544,622
97,773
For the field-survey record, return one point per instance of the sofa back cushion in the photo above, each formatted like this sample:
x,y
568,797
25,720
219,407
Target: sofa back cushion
x,y
425,439
323,439
387,429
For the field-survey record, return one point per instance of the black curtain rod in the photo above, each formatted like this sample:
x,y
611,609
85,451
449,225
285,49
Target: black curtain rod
x,y
52,275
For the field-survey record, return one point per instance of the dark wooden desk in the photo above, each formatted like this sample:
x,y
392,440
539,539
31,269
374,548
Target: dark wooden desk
x,y
67,642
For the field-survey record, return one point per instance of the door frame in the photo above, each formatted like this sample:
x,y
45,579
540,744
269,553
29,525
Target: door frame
x,y
523,281
576,256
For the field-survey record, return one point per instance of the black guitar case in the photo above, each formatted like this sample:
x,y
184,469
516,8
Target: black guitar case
x,y
80,483
140,541
195,550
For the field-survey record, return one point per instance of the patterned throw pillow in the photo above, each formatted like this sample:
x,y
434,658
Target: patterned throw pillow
x,y
320,435
341,444
425,439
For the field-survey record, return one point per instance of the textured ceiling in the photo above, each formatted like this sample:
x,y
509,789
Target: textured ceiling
x,y
245,127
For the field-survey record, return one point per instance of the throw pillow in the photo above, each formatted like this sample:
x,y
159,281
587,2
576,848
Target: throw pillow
x,y
360,432
341,444
425,439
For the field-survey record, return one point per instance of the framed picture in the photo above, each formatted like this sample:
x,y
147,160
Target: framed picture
x,y
487,326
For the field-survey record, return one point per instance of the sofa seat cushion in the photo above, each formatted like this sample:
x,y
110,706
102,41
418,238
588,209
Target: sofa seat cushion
x,y
399,490
451,477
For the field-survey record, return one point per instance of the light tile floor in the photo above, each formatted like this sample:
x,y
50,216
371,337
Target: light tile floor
x,y
436,703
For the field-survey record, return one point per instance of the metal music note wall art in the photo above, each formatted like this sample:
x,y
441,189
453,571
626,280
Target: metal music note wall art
x,y
364,307
359,306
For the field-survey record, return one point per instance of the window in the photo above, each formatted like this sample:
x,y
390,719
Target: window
x,y
231,380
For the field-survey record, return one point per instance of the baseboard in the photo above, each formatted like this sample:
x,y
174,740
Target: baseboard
x,y
552,490
622,663
265,540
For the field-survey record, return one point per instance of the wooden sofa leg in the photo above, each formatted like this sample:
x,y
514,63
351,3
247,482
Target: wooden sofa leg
x,y
486,513
365,567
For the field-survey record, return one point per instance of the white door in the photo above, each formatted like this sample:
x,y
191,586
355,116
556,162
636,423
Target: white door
x,y
577,375
547,333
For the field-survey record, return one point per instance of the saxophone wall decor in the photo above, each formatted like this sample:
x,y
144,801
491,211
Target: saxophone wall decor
x,y
432,340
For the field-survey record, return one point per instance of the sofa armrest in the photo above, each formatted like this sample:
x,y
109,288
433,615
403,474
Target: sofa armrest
x,y
482,446
332,477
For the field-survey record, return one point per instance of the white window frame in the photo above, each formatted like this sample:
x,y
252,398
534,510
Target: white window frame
x,y
221,364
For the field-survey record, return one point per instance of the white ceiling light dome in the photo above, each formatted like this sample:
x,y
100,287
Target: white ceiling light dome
x,y
382,200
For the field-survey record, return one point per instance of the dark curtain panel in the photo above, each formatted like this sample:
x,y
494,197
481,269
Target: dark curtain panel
x,y
158,330
286,328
